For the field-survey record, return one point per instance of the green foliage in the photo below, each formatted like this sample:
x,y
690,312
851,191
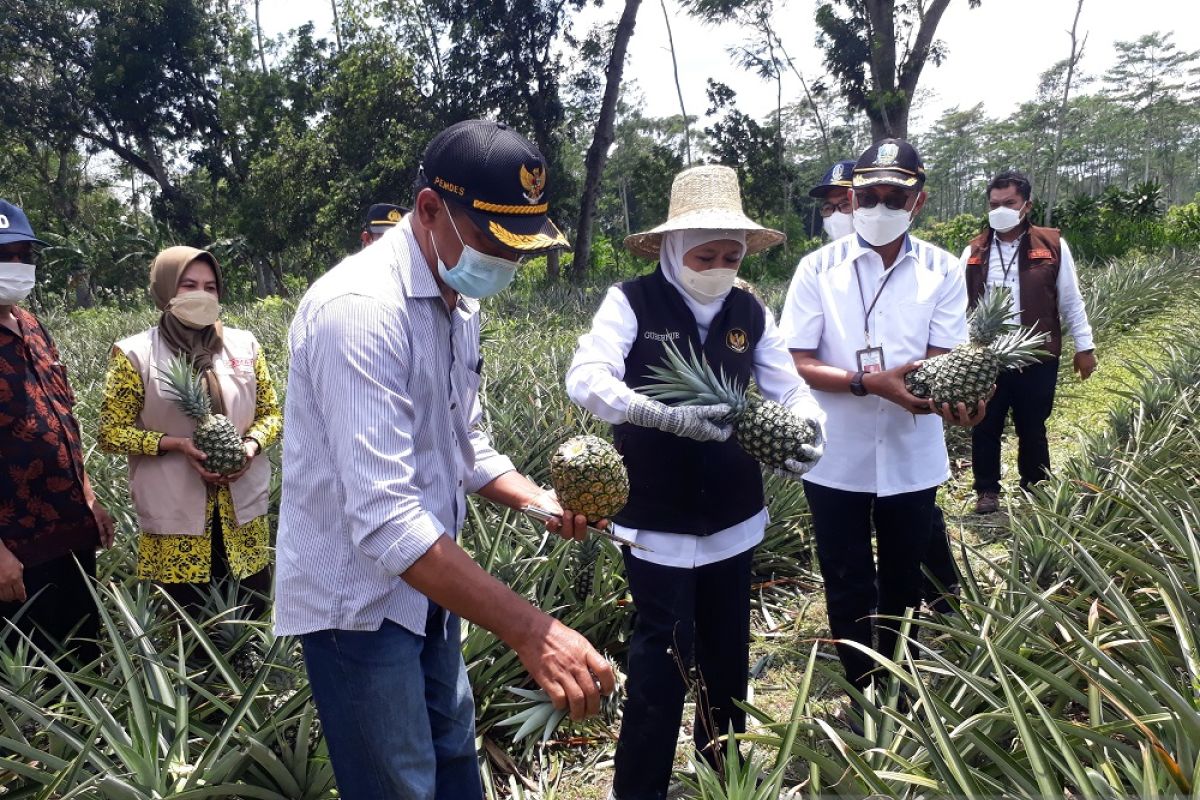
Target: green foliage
x,y
951,234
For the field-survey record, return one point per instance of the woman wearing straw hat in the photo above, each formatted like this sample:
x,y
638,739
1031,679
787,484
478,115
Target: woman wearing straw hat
x,y
696,500
196,525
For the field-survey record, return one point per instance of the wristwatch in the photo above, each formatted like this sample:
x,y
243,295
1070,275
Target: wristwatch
x,y
856,385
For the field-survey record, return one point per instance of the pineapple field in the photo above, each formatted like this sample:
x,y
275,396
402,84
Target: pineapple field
x,y
1072,669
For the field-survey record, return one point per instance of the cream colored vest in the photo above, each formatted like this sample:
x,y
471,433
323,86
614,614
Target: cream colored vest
x,y
170,498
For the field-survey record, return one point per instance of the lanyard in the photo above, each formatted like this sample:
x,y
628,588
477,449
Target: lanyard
x,y
1011,261
863,297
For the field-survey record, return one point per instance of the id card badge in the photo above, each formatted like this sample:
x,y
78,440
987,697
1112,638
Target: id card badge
x,y
870,359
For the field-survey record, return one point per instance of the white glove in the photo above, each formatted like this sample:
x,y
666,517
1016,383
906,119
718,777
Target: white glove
x,y
691,422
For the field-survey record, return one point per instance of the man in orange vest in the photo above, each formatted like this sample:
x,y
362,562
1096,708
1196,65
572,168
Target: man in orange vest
x,y
1035,264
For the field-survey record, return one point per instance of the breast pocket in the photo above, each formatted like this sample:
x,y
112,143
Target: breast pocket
x,y
466,388
912,320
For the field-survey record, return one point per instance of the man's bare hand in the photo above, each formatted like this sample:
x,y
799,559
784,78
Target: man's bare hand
x,y
960,415
12,578
566,666
568,524
889,385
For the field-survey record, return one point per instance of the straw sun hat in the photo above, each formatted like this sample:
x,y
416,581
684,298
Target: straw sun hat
x,y
706,197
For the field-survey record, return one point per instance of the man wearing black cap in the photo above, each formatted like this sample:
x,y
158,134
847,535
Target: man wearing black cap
x,y
836,216
385,440
834,192
50,522
860,312
381,218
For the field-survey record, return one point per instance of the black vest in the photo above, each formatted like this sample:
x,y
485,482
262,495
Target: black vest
x,y
679,485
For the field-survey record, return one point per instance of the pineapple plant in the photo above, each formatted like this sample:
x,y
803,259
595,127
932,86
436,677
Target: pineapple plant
x,y
215,435
766,430
966,374
584,567
589,477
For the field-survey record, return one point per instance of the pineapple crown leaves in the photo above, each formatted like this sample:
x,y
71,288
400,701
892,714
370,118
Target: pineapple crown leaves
x,y
692,382
992,316
1019,347
181,381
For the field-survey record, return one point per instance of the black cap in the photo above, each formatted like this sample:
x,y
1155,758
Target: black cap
x,y
893,162
500,178
836,176
14,225
383,216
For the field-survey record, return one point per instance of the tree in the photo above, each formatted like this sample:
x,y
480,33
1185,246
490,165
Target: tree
x,y
602,139
1072,61
876,52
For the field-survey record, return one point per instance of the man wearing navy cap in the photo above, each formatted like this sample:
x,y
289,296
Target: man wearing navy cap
x,y
381,218
859,313
50,521
834,192
386,438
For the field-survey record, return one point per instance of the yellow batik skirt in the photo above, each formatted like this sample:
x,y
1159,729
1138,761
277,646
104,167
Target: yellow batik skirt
x,y
188,559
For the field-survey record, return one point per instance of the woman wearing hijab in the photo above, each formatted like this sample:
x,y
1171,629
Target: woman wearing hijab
x,y
696,500
196,525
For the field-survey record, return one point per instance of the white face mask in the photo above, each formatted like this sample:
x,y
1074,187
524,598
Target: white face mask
x,y
16,282
881,225
197,310
1004,219
707,286
838,225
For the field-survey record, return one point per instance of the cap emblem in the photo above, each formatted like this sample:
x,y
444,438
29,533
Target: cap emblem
x,y
534,182
887,155
393,215
838,171
3,221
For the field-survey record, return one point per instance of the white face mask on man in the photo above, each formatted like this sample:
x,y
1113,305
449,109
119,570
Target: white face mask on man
x,y
881,225
1004,219
16,282
838,225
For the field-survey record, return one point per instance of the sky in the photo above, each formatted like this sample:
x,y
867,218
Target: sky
x,y
996,52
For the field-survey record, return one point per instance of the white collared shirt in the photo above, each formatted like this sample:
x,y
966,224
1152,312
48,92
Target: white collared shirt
x,y
1070,299
595,381
873,445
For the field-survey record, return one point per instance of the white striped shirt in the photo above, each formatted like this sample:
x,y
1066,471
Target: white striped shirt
x,y
873,445
384,439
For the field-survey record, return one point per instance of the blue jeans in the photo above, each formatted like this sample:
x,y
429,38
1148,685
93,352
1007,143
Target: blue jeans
x,y
397,711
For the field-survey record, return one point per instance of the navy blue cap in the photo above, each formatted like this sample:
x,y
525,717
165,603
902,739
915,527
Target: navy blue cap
x,y
892,162
14,225
383,216
837,176
500,178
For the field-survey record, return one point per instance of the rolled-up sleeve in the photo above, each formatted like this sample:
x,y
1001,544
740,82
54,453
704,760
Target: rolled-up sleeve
x,y
489,464
358,363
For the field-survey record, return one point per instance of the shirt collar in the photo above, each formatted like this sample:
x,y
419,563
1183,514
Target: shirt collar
x,y
860,248
416,278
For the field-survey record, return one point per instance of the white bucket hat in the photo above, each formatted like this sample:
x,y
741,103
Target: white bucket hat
x,y
706,197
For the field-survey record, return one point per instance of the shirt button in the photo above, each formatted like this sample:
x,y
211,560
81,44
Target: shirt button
x,y
460,483
453,406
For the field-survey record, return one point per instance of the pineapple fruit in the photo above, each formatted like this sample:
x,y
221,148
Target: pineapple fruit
x,y
764,429
589,477
966,374
584,567
215,436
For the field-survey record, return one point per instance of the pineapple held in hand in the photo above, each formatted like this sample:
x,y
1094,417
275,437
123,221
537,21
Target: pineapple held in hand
x,y
215,435
767,431
967,372
589,477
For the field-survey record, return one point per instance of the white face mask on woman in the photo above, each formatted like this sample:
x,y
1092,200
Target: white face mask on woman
x,y
16,282
707,286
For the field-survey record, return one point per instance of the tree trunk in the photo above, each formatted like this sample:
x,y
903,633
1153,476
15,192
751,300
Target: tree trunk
x,y
1076,54
262,57
687,127
602,139
337,25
